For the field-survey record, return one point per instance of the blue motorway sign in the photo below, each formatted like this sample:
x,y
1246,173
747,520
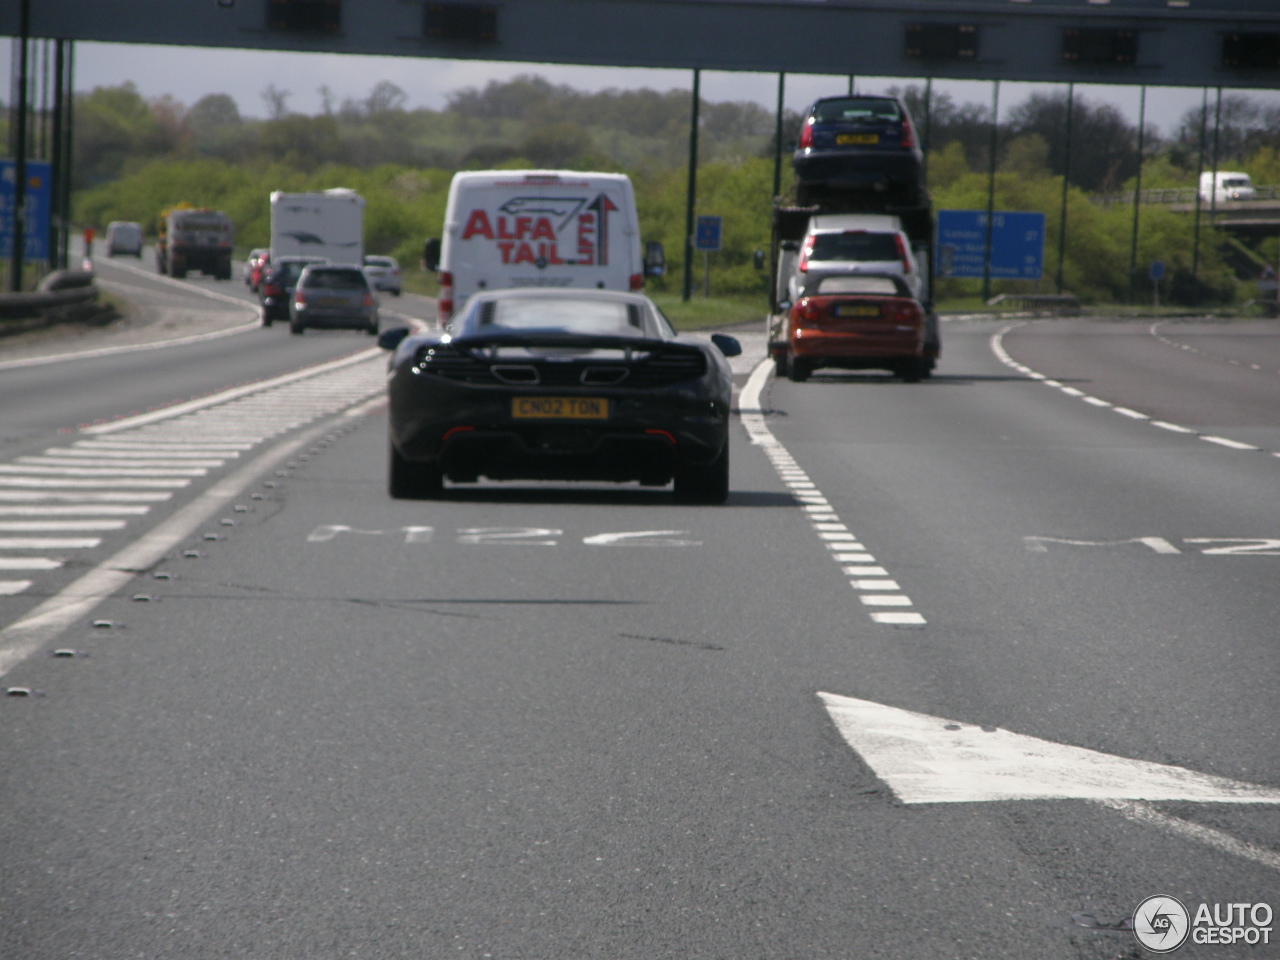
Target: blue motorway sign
x,y
35,226
1017,244
706,234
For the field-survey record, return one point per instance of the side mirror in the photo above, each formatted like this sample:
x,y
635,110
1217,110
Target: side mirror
x,y
784,306
791,246
757,259
431,254
655,259
390,339
729,346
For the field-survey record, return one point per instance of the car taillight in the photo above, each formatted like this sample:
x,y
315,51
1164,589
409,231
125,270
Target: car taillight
x,y
637,281
806,313
805,251
368,300
903,255
299,297
444,302
905,311
272,290
806,134
908,134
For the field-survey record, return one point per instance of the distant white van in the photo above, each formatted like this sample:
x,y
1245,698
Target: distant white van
x,y
124,236
1230,185
536,228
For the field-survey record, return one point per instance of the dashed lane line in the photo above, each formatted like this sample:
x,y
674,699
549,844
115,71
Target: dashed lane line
x,y
997,347
879,593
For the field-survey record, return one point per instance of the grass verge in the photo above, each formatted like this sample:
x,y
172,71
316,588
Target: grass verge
x,y
700,313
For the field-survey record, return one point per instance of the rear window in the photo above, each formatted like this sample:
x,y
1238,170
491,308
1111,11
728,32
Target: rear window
x,y
379,262
336,280
573,316
858,108
857,246
867,286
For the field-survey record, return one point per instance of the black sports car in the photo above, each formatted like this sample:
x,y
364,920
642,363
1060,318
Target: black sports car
x,y
559,385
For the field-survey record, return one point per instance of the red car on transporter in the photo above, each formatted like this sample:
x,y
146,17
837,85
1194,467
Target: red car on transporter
x,y
853,322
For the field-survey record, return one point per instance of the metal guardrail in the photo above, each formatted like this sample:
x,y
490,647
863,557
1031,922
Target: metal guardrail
x,y
1063,302
59,289
1178,195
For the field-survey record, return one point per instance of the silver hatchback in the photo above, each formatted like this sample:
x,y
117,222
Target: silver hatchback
x,y
333,296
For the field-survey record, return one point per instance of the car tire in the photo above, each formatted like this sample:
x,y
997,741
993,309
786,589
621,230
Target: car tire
x,y
708,483
266,319
408,480
297,328
799,369
371,330
781,364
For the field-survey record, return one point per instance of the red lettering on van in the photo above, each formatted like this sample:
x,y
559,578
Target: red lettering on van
x,y
523,226
503,232
506,246
524,254
477,223
542,230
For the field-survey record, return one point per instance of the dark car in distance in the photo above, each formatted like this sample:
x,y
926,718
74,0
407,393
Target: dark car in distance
x,y
559,385
853,144
278,284
333,296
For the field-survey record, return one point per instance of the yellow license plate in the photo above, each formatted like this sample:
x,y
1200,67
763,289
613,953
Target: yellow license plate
x,y
560,408
857,310
844,139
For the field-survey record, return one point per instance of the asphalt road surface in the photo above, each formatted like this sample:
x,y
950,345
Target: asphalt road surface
x,y
964,669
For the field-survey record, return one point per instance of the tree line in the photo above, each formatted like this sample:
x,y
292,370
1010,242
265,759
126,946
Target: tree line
x,y
134,157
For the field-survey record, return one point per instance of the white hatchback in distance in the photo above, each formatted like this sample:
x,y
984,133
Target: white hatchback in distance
x,y
383,273
856,243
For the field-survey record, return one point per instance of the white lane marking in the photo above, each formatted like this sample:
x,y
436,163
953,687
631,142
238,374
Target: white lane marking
x,y
642,538
49,526
26,469
1158,544
45,496
899,619
82,510
926,759
190,406
140,483
1243,546
885,600
834,534
1233,444
11,588
997,347
29,563
19,640
145,457
48,543
1145,813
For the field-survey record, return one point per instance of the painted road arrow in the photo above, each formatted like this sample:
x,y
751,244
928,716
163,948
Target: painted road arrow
x,y
928,759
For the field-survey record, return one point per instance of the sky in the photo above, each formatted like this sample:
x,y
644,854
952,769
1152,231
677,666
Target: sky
x,y
188,73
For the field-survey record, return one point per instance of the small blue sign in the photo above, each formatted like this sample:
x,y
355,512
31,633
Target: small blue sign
x,y
35,225
1157,270
1017,244
706,235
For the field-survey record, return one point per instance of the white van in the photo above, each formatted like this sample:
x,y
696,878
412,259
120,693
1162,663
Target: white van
x,y
1230,185
536,228
124,236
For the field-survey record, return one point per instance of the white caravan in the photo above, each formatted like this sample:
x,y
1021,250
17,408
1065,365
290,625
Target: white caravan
x,y
328,225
